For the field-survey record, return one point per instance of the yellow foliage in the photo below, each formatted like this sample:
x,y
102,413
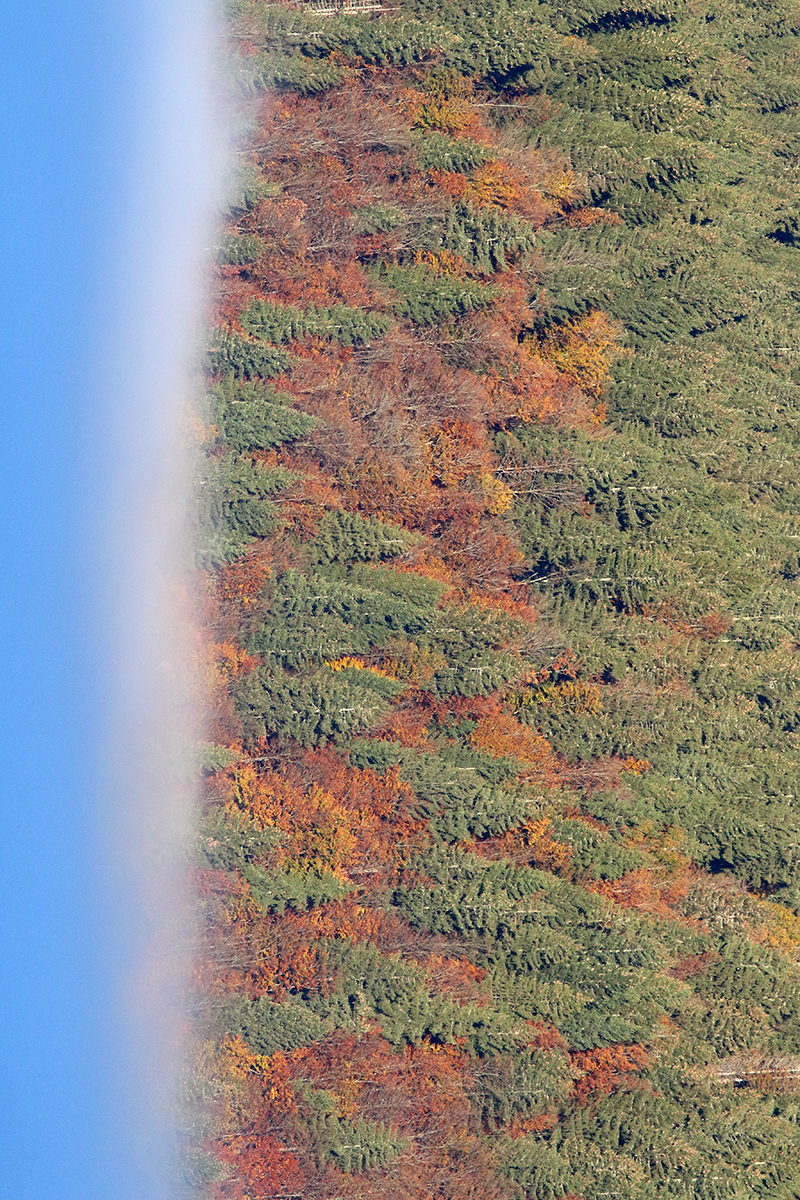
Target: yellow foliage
x,y
781,928
231,660
494,185
442,262
503,736
446,105
406,660
448,455
636,766
316,827
564,188
582,218
348,662
498,495
571,696
530,843
345,663
583,348
667,846
238,1061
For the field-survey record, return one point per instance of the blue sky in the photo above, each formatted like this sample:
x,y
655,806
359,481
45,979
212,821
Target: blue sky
x,y
78,107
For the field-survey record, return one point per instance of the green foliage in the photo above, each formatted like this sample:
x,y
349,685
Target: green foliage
x,y
520,1085
314,619
235,493
249,188
550,946
211,757
275,890
230,354
425,297
266,1026
240,249
294,71
661,1142
195,1169
439,151
595,854
668,538
229,842
361,1145
283,323
509,44
476,646
310,708
255,417
235,505
375,755
662,548
352,1146
346,537
379,218
394,992
458,804
486,238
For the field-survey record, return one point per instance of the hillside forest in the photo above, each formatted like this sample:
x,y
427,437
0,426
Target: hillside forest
x,y
498,556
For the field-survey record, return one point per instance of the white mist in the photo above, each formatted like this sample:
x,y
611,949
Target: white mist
x,y
157,293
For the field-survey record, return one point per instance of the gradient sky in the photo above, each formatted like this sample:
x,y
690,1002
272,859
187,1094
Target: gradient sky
x,y
77,103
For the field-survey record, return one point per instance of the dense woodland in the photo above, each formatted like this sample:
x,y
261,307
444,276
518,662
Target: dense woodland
x,y
498,496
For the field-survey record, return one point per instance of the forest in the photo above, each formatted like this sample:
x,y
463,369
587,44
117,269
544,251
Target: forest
x,y
498,556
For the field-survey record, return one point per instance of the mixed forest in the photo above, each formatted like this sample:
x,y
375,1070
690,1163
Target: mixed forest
x,y
498,549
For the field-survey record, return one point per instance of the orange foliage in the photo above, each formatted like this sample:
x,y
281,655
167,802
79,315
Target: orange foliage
x,y
496,185
694,964
450,183
443,262
404,435
348,827
526,388
531,844
582,218
542,1123
264,1166
607,1069
240,581
315,825
564,187
503,736
545,1037
232,661
424,1091
646,890
708,627
305,502
407,725
780,928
